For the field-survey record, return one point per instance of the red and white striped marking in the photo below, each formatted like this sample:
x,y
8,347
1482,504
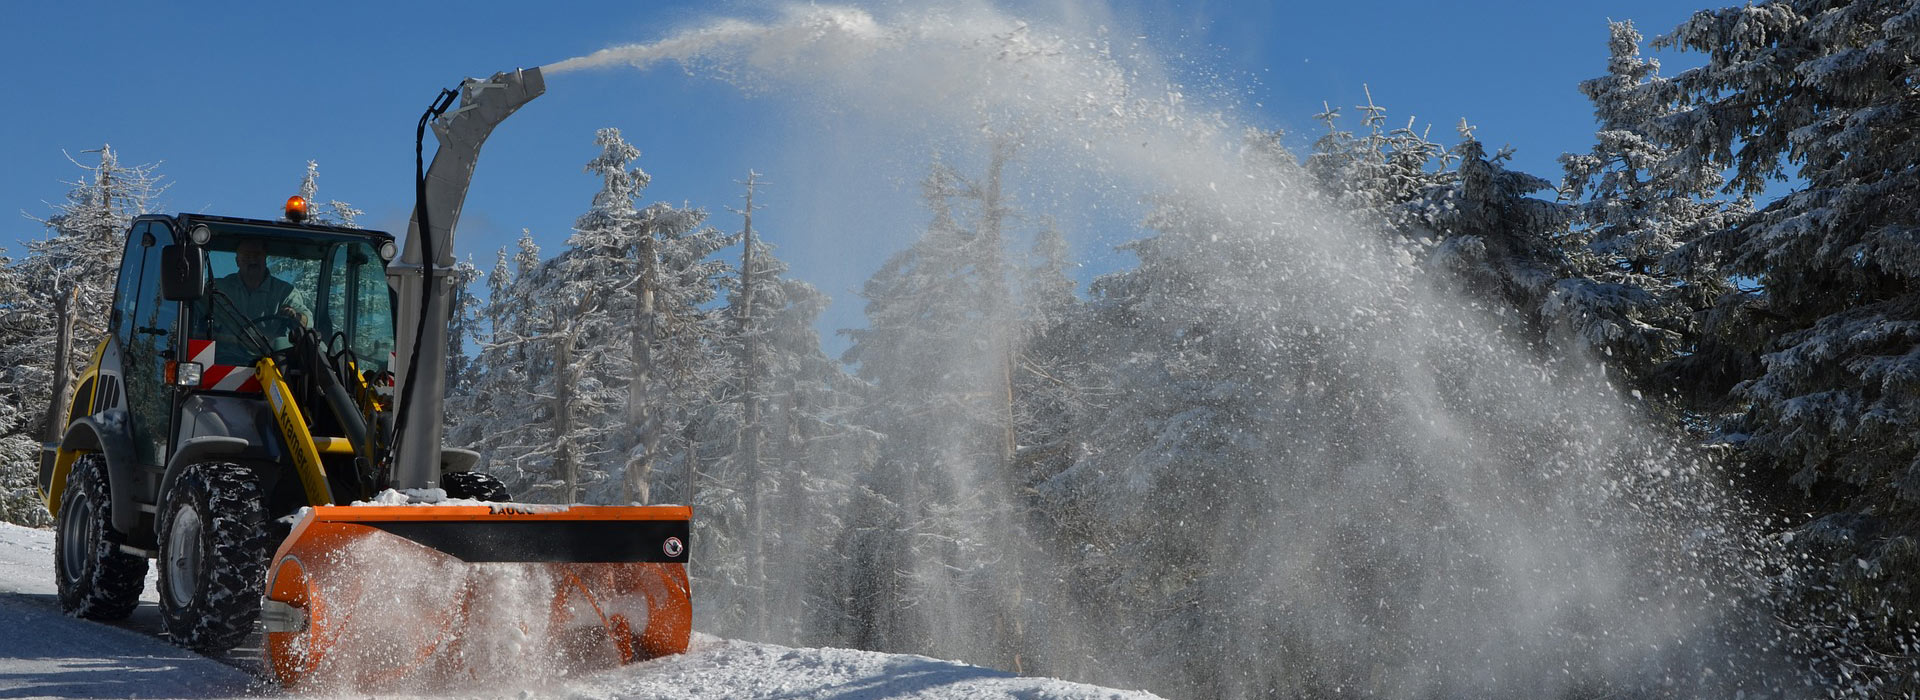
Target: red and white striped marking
x,y
221,377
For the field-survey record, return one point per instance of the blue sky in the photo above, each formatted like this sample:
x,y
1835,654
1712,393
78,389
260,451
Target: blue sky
x,y
233,98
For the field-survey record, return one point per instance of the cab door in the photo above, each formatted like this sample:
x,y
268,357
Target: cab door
x,y
147,329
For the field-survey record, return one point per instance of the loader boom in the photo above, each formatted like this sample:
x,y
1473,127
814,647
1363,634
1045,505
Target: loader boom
x,y
420,278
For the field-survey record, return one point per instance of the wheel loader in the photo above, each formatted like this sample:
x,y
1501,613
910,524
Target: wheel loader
x,y
264,420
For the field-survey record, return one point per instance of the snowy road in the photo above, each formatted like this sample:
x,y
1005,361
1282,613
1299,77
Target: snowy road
x,y
46,654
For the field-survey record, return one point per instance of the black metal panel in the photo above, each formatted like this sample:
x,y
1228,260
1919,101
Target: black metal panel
x,y
550,541
186,221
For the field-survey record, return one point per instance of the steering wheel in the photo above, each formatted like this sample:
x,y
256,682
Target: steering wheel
x,y
276,325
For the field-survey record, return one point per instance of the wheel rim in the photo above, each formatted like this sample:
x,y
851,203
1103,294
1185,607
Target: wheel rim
x,y
76,536
183,555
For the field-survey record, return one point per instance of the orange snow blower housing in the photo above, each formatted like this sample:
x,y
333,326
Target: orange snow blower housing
x,y
260,375
617,587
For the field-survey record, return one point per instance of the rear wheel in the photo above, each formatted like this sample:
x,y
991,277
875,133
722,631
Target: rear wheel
x,y
96,580
214,546
473,485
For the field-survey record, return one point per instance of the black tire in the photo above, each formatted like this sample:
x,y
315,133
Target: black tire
x,y
215,542
96,580
474,485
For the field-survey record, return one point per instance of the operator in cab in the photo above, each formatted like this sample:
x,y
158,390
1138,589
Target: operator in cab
x,y
255,292
267,303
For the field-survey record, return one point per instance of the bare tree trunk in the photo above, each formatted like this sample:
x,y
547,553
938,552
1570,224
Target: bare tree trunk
x,y
751,431
693,455
1009,622
643,408
56,418
567,377
565,462
692,494
1000,305
791,451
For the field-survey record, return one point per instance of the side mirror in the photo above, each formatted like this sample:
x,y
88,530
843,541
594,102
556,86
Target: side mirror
x,y
182,277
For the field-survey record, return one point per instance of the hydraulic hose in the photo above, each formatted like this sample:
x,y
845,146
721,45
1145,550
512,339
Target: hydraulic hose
x,y
438,107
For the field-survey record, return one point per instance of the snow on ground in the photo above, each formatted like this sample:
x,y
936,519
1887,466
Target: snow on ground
x,y
46,654
718,668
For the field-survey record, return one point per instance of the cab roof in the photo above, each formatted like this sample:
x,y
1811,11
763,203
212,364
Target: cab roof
x,y
186,221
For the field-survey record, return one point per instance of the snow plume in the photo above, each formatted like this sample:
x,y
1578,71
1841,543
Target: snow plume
x,y
1305,464
411,620
811,34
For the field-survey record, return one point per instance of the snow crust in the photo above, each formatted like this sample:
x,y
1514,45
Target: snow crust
x,y
395,497
717,668
438,497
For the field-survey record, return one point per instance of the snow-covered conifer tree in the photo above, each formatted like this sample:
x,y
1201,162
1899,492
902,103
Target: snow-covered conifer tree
x,y
673,363
503,417
1830,416
939,352
20,502
337,213
617,334
1376,175
773,508
1050,362
461,329
19,448
1631,299
71,276
1177,376
1496,241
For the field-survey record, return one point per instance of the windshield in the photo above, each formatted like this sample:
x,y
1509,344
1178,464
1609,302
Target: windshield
x,y
266,282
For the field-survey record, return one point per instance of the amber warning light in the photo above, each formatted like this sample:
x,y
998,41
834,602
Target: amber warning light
x,y
296,208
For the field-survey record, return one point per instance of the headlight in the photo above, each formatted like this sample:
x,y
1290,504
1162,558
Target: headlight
x,y
185,374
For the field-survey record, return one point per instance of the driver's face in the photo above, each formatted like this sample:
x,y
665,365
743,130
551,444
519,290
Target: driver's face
x,y
252,260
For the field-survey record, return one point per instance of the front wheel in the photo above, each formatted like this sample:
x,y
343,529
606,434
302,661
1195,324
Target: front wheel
x,y
96,580
214,546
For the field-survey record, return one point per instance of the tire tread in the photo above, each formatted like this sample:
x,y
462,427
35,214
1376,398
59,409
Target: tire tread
x,y
109,588
236,545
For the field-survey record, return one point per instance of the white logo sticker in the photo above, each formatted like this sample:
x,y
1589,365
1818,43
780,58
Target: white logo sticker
x,y
673,547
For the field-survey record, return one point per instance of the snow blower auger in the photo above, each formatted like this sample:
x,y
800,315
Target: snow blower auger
x,y
246,391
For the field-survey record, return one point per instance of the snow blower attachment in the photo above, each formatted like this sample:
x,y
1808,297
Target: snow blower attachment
x,y
365,596
244,393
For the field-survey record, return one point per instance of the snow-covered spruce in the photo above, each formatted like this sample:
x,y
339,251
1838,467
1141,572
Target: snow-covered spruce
x,y
96,580
599,342
1827,404
1636,286
56,298
214,546
19,451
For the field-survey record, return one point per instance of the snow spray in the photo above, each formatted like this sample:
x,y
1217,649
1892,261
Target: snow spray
x,y
409,620
1410,504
